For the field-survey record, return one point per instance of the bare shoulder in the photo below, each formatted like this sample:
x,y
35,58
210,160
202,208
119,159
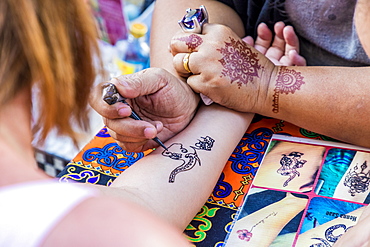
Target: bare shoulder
x,y
107,221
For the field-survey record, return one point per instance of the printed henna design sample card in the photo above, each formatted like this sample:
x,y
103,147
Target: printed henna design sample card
x,y
305,193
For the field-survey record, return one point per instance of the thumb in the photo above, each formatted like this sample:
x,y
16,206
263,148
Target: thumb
x,y
144,82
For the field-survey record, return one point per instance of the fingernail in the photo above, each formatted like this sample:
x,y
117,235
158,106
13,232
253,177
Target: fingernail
x,y
159,125
293,52
124,111
149,132
123,83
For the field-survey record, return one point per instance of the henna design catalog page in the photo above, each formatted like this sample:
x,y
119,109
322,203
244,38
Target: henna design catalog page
x,y
305,193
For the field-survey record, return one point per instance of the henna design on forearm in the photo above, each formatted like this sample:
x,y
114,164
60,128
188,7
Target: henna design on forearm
x,y
239,62
189,159
246,235
288,81
330,238
192,41
289,165
357,181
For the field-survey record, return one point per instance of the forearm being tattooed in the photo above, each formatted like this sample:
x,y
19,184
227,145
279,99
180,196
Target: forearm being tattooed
x,y
184,176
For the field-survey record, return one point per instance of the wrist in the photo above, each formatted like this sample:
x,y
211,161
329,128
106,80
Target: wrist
x,y
264,101
227,116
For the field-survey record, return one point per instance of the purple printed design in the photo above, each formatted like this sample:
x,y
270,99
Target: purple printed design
x,y
239,61
288,81
192,41
244,235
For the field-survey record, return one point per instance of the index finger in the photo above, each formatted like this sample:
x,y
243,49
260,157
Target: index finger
x,y
184,42
291,39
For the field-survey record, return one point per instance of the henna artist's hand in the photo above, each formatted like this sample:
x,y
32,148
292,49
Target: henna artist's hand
x,y
281,49
165,103
224,67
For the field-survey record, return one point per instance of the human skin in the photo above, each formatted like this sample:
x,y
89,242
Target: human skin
x,y
135,136
116,216
18,165
190,184
142,193
311,98
165,104
313,103
357,236
281,48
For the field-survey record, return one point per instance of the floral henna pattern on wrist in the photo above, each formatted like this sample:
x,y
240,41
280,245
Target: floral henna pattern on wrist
x,y
192,41
288,81
189,159
239,61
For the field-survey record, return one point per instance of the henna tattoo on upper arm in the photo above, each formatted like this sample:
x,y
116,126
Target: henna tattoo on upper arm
x,y
288,81
289,165
246,235
357,181
239,61
189,158
192,41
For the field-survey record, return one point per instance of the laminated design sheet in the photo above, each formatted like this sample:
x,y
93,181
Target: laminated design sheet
x,y
305,193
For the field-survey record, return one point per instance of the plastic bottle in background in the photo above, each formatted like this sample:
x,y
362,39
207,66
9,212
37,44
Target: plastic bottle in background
x,y
133,8
136,56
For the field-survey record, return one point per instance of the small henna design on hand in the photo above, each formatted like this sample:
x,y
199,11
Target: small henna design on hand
x,y
239,61
288,81
192,41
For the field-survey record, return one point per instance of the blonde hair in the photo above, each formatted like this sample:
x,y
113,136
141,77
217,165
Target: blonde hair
x,y
52,43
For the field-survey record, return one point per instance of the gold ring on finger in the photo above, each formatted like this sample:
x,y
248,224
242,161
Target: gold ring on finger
x,y
185,62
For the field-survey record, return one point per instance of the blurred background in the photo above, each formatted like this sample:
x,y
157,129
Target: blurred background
x,y
124,29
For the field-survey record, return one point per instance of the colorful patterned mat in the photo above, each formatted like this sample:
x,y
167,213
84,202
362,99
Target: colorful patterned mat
x,y
102,160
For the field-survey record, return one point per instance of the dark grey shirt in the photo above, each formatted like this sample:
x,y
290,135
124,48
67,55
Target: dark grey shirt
x,y
325,27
